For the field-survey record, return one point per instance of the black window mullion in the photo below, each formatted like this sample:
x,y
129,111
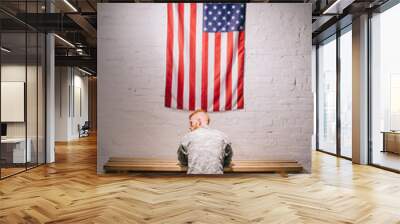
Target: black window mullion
x,y
317,97
45,93
369,90
37,89
26,86
338,91
0,96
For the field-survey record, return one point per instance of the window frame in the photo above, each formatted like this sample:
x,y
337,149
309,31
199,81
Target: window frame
x,y
334,37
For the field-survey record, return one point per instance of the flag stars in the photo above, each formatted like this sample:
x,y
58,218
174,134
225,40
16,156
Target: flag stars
x,y
221,17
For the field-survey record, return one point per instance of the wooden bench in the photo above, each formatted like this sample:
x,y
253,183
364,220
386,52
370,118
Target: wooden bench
x,y
118,164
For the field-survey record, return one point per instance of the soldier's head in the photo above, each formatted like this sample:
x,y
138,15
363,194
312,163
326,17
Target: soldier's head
x,y
197,119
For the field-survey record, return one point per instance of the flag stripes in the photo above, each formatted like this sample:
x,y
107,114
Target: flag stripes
x,y
203,69
170,47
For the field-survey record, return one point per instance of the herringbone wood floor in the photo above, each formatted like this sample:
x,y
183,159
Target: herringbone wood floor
x,y
69,191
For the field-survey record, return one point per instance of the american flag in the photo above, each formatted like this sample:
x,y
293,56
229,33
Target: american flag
x,y
205,56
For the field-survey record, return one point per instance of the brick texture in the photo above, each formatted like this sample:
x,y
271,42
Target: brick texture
x,y
277,122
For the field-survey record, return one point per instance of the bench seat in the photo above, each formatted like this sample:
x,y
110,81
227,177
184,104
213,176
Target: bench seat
x,y
119,164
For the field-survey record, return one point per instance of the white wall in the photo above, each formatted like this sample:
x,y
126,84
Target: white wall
x,y
18,73
277,122
80,115
67,117
62,80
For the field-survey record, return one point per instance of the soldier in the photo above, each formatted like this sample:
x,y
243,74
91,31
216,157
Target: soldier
x,y
204,150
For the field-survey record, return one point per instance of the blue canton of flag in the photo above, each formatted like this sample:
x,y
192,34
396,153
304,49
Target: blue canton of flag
x,y
221,17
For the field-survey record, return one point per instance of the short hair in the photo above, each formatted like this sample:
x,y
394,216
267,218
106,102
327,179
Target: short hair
x,y
200,111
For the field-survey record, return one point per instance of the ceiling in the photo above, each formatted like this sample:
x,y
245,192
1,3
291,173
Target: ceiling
x,y
76,22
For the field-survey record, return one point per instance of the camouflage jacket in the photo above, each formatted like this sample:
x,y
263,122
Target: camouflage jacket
x,y
205,151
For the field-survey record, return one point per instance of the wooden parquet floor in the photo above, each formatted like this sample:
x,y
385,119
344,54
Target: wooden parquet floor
x,y
70,191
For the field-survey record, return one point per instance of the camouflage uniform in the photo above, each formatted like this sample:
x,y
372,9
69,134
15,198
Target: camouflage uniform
x,y
205,151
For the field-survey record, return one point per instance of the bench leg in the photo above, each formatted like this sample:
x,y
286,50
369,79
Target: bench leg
x,y
283,174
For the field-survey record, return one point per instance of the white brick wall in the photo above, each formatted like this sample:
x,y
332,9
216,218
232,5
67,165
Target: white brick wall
x,y
277,122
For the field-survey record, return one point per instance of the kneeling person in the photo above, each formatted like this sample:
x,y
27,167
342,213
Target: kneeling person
x,y
204,150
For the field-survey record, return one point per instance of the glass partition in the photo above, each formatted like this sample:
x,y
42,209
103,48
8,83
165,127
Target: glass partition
x,y
41,97
346,93
22,101
327,95
13,146
385,89
334,94
31,99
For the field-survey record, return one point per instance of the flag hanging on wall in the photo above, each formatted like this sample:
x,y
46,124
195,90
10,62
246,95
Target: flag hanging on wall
x,y
205,56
